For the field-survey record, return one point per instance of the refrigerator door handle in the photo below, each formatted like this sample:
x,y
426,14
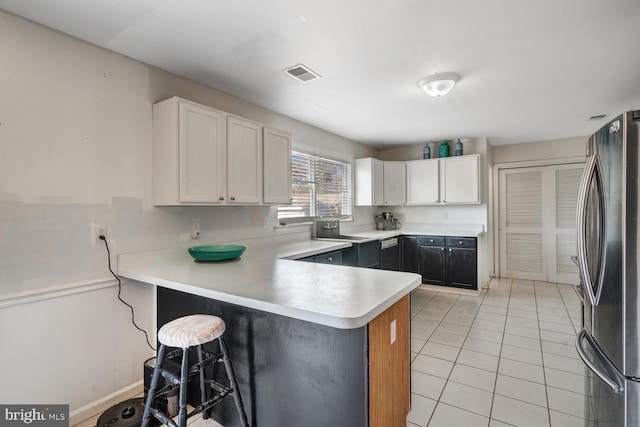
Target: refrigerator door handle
x,y
612,383
591,172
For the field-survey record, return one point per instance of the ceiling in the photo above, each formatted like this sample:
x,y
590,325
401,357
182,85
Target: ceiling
x,y
530,71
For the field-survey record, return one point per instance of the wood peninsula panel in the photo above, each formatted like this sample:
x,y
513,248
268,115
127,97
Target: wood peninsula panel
x,y
389,389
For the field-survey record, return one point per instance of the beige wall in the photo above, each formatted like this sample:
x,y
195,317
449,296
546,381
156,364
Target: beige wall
x,y
539,150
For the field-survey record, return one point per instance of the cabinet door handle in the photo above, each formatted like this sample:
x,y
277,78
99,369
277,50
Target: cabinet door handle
x,y
442,249
449,249
232,198
460,242
431,241
330,258
444,201
221,198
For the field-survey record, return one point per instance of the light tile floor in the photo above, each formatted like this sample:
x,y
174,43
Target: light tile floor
x,y
505,358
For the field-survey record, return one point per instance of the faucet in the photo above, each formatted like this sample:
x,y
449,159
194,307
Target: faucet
x,y
330,225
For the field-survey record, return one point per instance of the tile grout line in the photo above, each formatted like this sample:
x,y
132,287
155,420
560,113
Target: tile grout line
x,y
544,372
504,331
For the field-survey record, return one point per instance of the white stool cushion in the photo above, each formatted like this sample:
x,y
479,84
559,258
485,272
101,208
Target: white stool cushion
x,y
191,330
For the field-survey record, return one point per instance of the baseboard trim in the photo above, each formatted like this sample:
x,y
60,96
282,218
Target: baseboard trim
x,y
451,290
101,405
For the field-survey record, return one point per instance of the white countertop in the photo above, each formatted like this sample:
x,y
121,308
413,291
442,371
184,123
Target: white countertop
x,y
471,230
267,278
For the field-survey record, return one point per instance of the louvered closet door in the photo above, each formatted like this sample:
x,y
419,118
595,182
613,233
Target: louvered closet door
x,y
562,210
522,223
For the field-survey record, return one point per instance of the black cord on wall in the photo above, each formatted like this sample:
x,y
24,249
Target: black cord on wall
x,y
133,319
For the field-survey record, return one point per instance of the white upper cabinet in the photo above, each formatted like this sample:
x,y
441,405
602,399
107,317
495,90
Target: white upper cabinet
x,y
459,179
369,182
449,180
189,159
277,166
203,156
380,183
423,182
394,183
244,161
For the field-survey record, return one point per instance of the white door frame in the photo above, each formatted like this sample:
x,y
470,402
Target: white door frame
x,y
494,212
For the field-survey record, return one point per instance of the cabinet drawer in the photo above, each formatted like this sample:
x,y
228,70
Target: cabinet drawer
x,y
431,241
461,242
334,257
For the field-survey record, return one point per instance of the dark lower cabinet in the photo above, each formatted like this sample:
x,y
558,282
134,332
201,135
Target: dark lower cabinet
x,y
462,269
409,254
449,261
432,265
334,257
362,255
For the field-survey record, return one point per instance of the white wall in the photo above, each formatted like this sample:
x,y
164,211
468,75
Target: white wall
x,y
75,147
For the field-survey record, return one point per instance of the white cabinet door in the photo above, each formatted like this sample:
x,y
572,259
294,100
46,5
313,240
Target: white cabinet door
x,y
189,157
423,182
369,176
244,161
378,182
202,166
459,179
394,183
277,166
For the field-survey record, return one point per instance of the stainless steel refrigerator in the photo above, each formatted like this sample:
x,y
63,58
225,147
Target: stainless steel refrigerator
x,y
608,250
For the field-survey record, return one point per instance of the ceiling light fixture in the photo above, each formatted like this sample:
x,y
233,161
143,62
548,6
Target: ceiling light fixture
x,y
439,84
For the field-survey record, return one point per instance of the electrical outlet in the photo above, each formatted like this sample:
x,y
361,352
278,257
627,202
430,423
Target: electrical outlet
x,y
195,228
392,331
96,232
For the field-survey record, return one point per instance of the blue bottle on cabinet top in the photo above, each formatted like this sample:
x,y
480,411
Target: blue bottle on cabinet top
x,y
426,152
443,150
458,151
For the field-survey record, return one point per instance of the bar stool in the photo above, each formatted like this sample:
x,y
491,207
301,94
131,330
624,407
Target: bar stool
x,y
183,333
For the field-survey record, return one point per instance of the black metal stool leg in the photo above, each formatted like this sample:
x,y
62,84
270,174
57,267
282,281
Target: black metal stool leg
x,y
184,373
234,384
203,389
146,416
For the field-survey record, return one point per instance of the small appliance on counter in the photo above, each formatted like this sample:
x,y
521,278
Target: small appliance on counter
x,y
386,221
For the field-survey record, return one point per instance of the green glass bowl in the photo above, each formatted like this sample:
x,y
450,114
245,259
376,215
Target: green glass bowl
x,y
212,253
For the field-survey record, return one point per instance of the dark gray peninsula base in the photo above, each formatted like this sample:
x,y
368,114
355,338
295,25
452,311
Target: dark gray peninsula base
x,y
297,373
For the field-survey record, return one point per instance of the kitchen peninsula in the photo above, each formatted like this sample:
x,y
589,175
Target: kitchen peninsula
x,y
312,344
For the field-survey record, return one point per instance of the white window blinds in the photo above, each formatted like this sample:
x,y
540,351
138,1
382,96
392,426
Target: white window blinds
x,y
320,187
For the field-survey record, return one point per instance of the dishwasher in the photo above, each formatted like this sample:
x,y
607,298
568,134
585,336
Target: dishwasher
x,y
389,254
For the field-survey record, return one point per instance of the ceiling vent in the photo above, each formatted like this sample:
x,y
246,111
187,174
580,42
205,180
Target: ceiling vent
x,y
302,73
597,117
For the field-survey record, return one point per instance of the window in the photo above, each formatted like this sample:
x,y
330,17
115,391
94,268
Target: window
x,y
320,187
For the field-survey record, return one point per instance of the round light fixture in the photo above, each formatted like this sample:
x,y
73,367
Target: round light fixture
x,y
439,84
